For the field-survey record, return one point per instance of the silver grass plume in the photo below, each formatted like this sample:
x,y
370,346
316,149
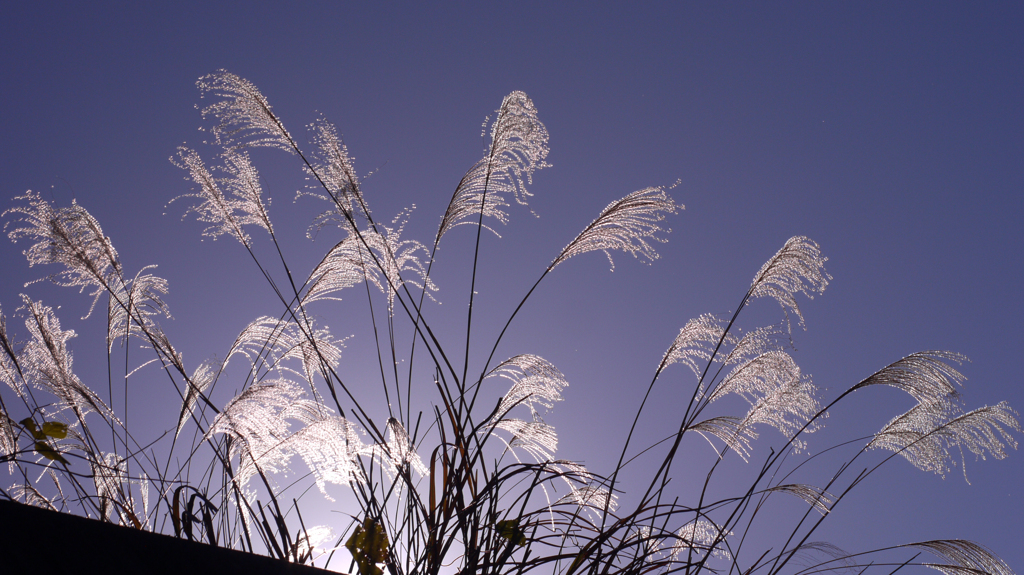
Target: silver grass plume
x,y
334,169
592,498
758,376
798,267
47,362
754,343
200,381
925,375
731,430
928,433
29,495
70,237
401,450
268,342
626,224
963,557
257,422
384,265
109,476
818,499
244,115
134,302
10,370
519,145
787,408
310,540
347,264
698,536
390,263
228,203
330,446
8,439
779,394
398,452
534,437
535,381
583,490
696,342
400,258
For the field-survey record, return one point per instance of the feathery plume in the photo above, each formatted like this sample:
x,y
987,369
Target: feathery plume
x,y
534,437
330,446
108,476
696,341
779,394
534,381
346,265
626,224
257,421
817,498
268,342
334,170
133,305
797,267
8,439
964,557
200,381
47,362
729,429
698,536
29,495
754,343
925,375
226,211
927,434
388,264
10,369
244,114
519,145
398,451
70,237
592,497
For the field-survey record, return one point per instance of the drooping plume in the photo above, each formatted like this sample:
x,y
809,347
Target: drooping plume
x,y
389,263
258,423
69,237
798,267
133,306
963,557
696,342
929,434
925,375
398,452
818,499
519,145
626,225
780,396
267,343
244,114
331,447
700,536
535,381
200,381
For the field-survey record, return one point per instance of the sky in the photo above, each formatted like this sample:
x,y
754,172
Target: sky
x,y
890,133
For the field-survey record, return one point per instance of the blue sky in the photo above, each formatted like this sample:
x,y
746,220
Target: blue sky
x,y
893,135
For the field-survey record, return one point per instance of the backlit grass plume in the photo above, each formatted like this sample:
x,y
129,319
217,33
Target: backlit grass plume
x,y
433,468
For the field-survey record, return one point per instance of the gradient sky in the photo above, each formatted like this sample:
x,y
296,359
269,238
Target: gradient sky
x,y
893,135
